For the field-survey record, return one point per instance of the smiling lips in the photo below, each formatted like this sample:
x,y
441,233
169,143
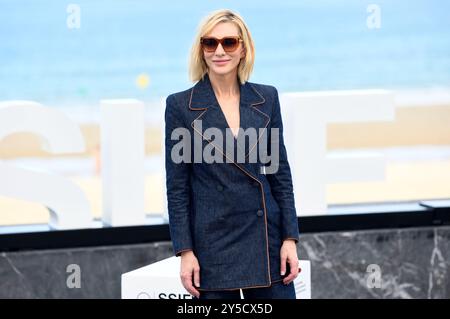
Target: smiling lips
x,y
220,62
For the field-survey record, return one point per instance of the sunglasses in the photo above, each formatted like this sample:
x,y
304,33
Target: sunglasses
x,y
229,44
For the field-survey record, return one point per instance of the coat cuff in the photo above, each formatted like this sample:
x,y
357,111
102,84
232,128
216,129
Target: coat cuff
x,y
294,239
178,253
181,238
290,228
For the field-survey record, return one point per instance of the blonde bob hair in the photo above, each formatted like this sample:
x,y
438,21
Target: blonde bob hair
x,y
197,64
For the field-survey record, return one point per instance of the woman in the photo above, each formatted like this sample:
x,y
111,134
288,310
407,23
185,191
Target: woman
x,y
234,226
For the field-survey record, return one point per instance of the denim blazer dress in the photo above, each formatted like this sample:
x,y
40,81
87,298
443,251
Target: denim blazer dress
x,y
232,215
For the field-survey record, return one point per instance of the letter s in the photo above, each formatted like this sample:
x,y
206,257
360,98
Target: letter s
x,y
68,206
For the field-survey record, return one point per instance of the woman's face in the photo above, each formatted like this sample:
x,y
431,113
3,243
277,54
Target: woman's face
x,y
221,62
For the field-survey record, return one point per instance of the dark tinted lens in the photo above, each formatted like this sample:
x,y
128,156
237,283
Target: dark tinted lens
x,y
229,43
209,44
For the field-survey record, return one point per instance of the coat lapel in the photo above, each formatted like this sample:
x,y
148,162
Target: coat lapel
x,y
203,99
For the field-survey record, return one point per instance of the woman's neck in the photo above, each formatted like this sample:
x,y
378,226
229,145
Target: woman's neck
x,y
224,86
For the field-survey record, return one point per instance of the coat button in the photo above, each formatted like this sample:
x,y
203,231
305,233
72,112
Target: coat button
x,y
255,183
219,188
259,212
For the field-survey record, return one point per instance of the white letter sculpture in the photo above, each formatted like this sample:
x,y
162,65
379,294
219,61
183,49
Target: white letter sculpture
x,y
123,154
305,119
68,206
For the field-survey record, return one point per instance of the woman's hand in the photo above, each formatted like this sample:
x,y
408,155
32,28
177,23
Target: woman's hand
x,y
288,253
190,268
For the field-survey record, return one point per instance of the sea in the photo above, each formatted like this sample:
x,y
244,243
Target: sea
x,y
75,53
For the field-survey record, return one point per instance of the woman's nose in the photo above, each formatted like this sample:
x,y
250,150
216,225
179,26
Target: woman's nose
x,y
220,50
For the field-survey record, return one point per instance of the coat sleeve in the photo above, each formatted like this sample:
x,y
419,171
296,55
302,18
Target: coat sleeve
x,y
177,184
281,181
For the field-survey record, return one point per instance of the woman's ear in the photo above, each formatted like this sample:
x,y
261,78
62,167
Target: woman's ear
x,y
243,53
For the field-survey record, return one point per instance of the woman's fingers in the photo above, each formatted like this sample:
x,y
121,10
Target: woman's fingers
x,y
197,276
186,279
294,272
190,274
283,264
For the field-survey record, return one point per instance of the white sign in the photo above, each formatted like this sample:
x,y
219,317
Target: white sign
x,y
161,280
305,115
123,154
67,204
305,119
